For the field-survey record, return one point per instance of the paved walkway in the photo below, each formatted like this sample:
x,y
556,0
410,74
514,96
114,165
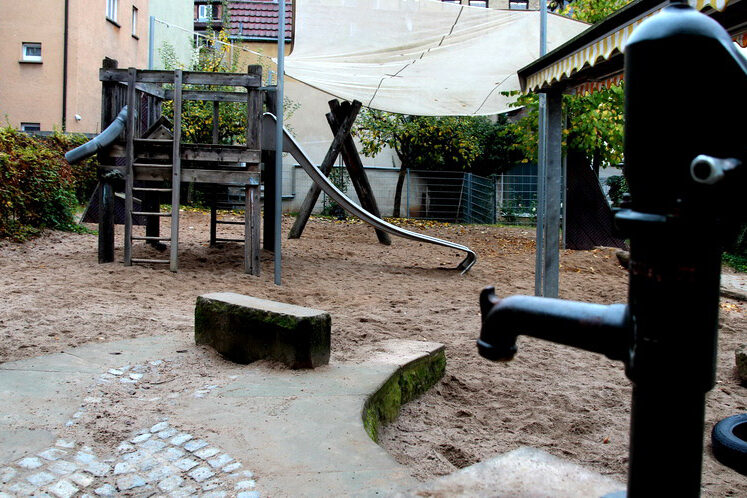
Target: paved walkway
x,y
159,416
300,432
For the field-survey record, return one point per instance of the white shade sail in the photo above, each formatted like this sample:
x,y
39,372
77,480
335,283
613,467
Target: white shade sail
x,y
418,57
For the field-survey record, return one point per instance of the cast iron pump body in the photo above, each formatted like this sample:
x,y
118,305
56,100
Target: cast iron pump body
x,y
685,155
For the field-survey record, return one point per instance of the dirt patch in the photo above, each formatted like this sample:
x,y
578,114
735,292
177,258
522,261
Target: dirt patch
x,y
570,403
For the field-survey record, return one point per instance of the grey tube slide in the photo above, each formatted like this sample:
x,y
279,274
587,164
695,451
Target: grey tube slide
x,y
100,141
290,145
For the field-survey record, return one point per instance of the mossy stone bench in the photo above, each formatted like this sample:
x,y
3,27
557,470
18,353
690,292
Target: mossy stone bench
x,y
246,329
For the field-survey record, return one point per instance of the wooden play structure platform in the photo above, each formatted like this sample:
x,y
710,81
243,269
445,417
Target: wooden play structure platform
x,y
143,150
154,161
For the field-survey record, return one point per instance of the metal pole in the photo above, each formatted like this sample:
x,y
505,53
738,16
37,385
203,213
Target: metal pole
x,y
279,143
553,166
151,40
539,266
539,275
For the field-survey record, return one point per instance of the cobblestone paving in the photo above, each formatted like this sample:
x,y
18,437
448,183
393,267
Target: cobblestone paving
x,y
158,460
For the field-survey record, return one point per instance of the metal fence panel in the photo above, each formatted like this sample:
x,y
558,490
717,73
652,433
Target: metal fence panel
x,y
448,196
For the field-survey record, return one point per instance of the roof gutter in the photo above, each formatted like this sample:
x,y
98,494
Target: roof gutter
x,y
625,15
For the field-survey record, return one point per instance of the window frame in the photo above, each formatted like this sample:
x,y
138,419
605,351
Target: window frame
x,y
34,127
112,8
518,4
25,57
134,22
208,11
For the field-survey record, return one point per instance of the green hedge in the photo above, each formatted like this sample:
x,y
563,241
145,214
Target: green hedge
x,y
38,188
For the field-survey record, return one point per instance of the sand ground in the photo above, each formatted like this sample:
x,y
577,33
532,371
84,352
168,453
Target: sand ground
x,y
570,403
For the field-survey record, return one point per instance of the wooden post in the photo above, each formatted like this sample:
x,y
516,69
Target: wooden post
x,y
216,121
268,159
130,158
340,135
251,207
254,112
108,113
106,188
176,170
355,165
551,247
106,220
251,230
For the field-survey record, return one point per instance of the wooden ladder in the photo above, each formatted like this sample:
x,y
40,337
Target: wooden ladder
x,y
215,221
175,178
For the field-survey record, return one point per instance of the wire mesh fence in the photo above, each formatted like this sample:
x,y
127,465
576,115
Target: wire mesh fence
x,y
458,197
448,196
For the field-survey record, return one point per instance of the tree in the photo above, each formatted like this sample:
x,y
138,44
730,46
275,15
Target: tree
x,y
215,55
446,143
591,11
595,121
595,126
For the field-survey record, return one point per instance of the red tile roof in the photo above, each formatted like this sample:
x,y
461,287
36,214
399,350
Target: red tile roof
x,y
258,19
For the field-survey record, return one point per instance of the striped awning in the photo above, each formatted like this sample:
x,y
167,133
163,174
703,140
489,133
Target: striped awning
x,y
606,47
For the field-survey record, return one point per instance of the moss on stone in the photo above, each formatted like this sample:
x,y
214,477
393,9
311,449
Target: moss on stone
x,y
409,382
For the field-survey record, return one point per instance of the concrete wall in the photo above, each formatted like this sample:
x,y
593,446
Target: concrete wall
x,y
175,14
33,92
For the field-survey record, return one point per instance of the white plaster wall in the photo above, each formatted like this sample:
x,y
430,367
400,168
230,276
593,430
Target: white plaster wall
x,y
178,14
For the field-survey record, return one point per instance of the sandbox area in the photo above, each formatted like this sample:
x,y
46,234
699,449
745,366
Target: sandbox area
x,y
572,404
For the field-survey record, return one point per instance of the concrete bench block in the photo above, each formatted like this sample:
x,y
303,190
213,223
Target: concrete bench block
x,y
246,329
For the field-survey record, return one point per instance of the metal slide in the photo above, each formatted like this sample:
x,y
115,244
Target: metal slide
x,y
290,145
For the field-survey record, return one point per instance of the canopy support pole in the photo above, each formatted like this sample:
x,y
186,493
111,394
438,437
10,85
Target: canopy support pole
x,y
548,182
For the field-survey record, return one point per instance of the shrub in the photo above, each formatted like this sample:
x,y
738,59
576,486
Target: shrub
x,y
38,188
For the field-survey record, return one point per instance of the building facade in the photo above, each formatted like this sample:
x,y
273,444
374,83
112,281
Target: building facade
x,y
52,51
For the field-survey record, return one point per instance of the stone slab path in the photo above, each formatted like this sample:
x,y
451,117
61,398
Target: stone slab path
x,y
264,430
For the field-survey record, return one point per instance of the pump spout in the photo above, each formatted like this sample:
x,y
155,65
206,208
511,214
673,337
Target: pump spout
x,y
597,328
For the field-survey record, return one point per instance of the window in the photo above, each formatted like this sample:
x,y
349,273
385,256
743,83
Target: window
x,y
111,10
518,4
478,3
200,40
30,127
134,22
31,52
204,12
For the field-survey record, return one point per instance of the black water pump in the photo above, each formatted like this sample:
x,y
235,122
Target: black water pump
x,y
686,165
